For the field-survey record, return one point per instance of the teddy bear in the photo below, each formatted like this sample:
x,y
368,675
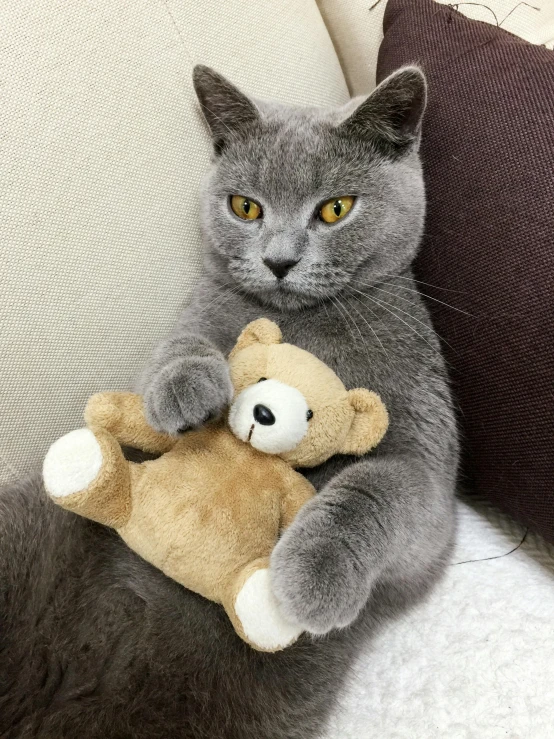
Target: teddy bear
x,y
210,509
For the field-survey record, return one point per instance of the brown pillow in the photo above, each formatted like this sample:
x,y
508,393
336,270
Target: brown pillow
x,y
488,154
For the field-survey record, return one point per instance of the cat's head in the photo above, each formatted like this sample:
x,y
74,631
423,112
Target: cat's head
x,y
301,201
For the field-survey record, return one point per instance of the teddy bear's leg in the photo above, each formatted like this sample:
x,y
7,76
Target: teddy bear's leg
x,y
254,611
85,471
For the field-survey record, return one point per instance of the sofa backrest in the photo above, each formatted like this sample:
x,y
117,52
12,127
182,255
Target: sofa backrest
x,y
102,148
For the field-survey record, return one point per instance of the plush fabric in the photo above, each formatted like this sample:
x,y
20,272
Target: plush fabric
x,y
475,661
488,153
356,27
102,148
349,422
208,512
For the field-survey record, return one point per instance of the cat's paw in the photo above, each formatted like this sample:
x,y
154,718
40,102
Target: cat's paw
x,y
186,393
261,620
317,577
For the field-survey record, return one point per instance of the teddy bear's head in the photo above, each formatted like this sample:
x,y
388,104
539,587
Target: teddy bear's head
x,y
287,402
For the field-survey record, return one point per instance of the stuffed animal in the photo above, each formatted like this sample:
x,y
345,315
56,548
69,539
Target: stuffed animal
x,y
210,509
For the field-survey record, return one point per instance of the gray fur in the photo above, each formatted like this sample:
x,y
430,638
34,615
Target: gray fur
x,y
186,384
96,643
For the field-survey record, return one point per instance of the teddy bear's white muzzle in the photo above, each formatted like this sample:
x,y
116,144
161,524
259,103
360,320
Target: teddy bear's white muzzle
x,y
271,416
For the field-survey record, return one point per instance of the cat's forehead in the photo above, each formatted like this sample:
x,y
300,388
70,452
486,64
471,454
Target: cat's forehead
x,y
296,153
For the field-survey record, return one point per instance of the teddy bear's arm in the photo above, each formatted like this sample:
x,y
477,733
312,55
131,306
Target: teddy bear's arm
x,y
299,492
122,414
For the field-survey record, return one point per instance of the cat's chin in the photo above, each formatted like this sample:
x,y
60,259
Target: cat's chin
x,y
285,297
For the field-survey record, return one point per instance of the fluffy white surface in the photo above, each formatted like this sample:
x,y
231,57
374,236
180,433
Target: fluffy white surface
x,y
259,614
72,463
476,661
287,404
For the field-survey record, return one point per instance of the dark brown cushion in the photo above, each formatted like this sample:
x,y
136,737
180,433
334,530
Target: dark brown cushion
x,y
488,154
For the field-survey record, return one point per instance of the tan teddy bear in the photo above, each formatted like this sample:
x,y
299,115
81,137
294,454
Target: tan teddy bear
x,y
209,511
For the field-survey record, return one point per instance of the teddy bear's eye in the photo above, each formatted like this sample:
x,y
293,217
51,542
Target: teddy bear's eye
x,y
309,414
262,379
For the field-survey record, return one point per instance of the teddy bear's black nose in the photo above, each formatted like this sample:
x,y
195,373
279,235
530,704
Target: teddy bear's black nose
x,y
263,415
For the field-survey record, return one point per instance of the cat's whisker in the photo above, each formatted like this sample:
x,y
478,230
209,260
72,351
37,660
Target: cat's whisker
x,y
227,285
221,290
223,297
323,300
341,314
418,292
384,305
340,285
354,322
340,310
420,282
373,331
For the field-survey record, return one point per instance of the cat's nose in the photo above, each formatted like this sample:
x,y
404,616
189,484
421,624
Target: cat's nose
x,y
263,415
280,267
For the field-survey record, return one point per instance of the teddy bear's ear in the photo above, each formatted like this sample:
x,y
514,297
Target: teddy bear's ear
x,y
261,331
369,424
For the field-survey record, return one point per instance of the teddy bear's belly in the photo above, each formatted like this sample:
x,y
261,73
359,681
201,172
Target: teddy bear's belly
x,y
212,517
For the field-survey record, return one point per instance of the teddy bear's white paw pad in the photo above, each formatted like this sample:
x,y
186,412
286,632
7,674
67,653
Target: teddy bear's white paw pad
x,y
259,614
72,463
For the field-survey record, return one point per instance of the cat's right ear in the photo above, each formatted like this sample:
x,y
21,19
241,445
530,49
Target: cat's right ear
x,y
226,109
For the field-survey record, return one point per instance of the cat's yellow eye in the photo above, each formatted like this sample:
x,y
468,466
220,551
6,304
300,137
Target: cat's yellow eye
x,y
245,208
336,208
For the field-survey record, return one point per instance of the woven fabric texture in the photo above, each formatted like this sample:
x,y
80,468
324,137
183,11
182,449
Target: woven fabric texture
x,y
356,27
102,149
488,154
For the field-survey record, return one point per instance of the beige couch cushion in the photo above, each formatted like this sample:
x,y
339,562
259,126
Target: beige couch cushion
x,y
356,27
101,153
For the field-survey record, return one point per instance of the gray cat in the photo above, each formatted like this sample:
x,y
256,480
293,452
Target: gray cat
x,y
312,218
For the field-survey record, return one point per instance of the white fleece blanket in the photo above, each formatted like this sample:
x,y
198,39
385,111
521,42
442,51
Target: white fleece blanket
x,y
476,661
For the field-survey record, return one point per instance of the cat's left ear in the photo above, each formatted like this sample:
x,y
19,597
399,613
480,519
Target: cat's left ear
x,y
391,116
226,109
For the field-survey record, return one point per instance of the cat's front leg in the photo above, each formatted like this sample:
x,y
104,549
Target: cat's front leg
x,y
186,383
383,519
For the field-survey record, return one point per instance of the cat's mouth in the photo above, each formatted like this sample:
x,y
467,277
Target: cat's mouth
x,y
302,288
287,294
291,292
